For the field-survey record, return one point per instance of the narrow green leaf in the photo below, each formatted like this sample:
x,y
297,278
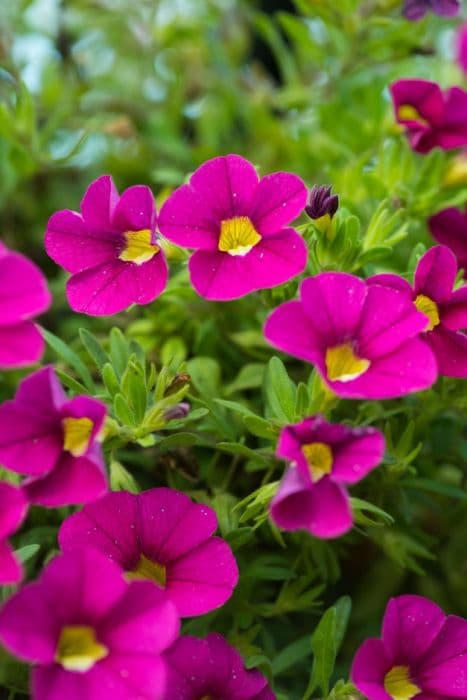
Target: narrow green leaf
x,y
70,358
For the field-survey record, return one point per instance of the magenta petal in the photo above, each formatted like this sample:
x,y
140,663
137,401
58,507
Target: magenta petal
x,y
228,672
461,47
42,394
226,185
203,579
70,243
331,515
333,302
144,621
292,505
412,367
20,345
354,459
219,276
454,310
113,286
389,318
436,273
23,289
450,349
449,227
189,665
424,95
396,282
74,480
28,445
13,508
105,525
369,668
185,221
170,524
135,210
11,570
288,328
279,199
26,626
444,667
98,204
410,625
86,407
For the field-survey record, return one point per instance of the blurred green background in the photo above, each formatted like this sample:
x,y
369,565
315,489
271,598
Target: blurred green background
x,y
146,90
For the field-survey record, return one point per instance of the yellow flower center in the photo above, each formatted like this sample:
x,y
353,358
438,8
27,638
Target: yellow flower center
x,y
78,648
76,435
138,247
238,236
147,569
398,685
428,307
319,458
343,365
408,113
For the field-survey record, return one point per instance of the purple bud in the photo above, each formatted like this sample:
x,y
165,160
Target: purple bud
x,y
180,410
321,202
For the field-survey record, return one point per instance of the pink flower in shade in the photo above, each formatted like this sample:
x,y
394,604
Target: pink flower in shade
x,y
13,508
417,9
160,535
431,118
461,47
90,634
212,669
238,225
445,310
361,338
422,654
449,227
54,441
110,249
325,458
23,296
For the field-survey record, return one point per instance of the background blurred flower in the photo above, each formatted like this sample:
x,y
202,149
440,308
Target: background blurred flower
x,y
210,668
361,338
110,249
54,440
422,652
417,9
88,633
238,225
449,227
23,296
431,117
325,458
160,535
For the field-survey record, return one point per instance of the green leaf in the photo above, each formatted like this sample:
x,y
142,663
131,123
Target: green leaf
x,y
177,440
261,427
121,479
27,552
70,358
118,350
280,390
93,347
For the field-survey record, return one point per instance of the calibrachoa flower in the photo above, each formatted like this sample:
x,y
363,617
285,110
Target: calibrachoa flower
x,y
23,296
431,118
422,654
160,535
361,338
89,633
325,458
13,508
201,669
238,225
445,310
110,249
449,227
54,440
417,9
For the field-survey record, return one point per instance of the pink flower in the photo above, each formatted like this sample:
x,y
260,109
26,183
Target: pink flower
x,y
23,295
13,508
238,225
422,654
160,535
461,47
431,118
449,227
362,338
210,668
90,634
110,249
445,310
325,458
417,9
54,440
